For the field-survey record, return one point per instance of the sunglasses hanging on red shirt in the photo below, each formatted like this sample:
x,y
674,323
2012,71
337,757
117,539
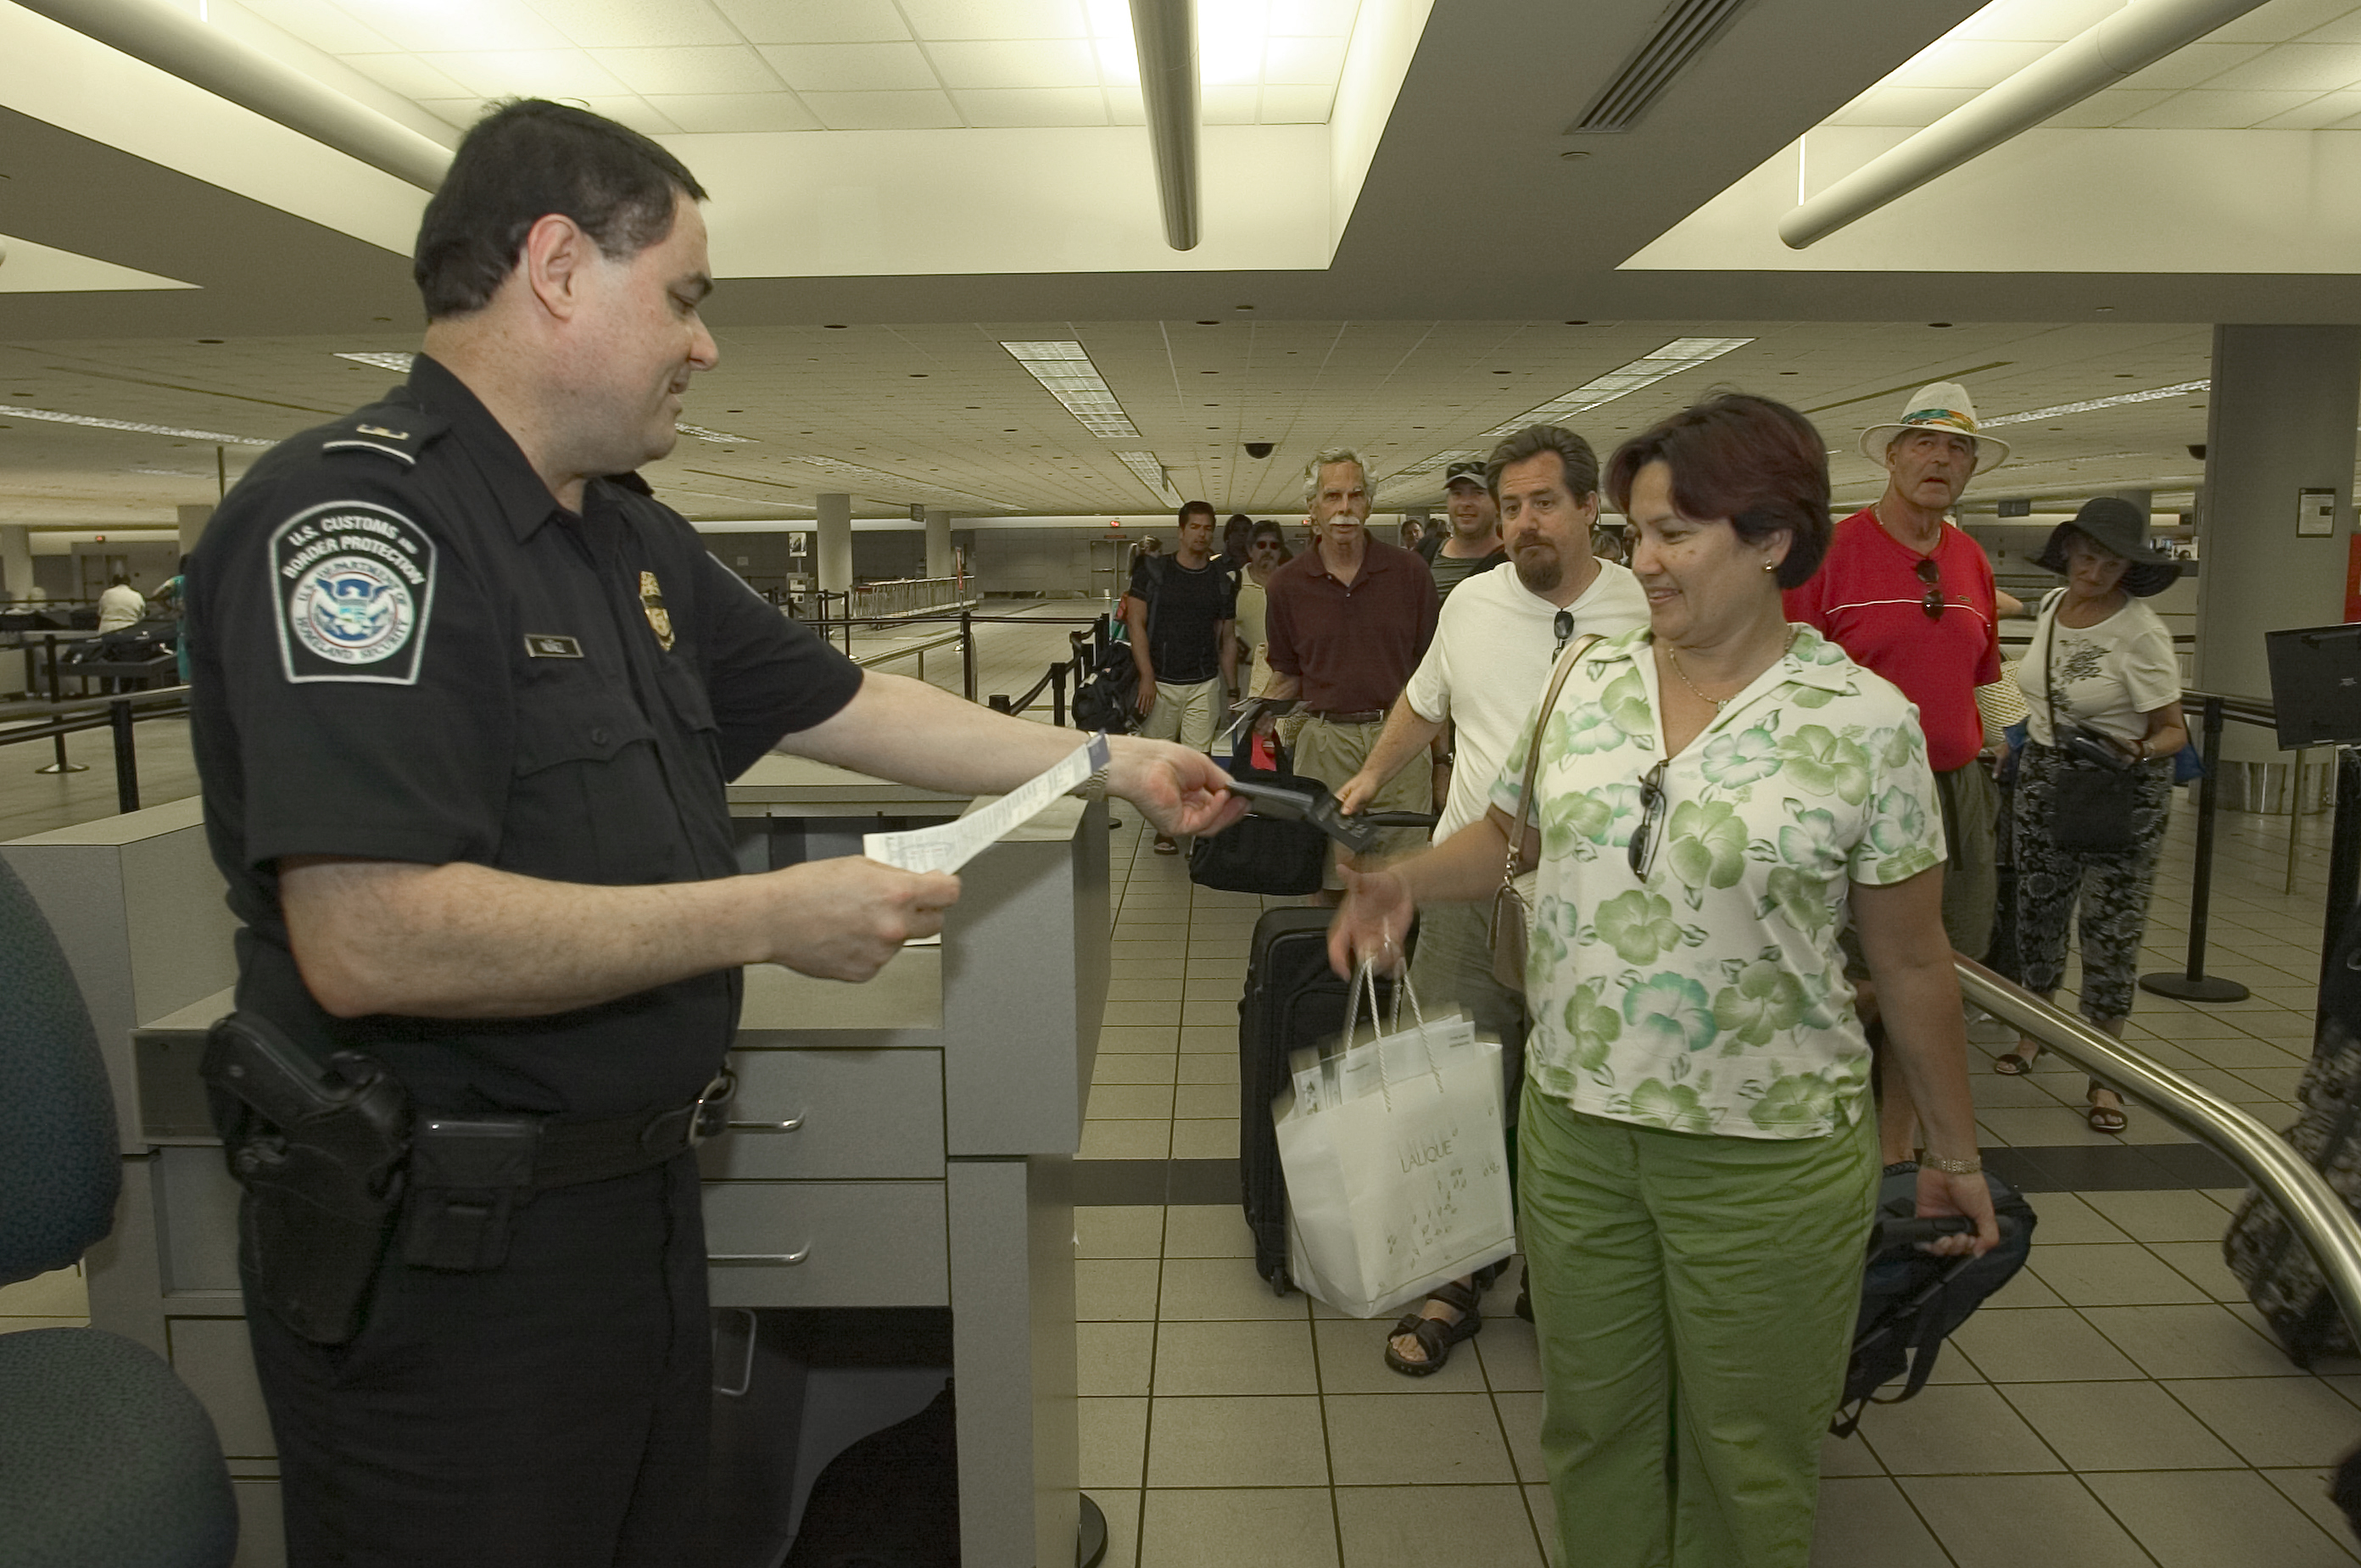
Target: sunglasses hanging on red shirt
x,y
1932,575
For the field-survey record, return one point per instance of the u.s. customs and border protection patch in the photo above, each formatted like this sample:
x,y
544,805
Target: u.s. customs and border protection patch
x,y
355,585
651,600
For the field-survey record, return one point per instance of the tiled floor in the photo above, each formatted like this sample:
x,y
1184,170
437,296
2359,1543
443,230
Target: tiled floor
x,y
2116,1405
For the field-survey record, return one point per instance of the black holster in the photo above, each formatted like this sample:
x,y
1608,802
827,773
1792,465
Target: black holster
x,y
319,1151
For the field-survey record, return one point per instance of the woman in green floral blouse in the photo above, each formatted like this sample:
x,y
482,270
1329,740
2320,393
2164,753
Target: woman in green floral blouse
x,y
1718,795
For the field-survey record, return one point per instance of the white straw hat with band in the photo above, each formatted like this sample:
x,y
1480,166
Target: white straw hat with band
x,y
1942,406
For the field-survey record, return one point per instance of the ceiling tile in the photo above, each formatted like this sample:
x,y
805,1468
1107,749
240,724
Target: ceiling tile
x,y
1313,18
2205,109
1033,107
1125,105
815,21
1040,62
2315,68
997,18
638,24
487,25
1967,63
1297,105
2344,30
688,70
544,72
2198,62
1229,106
1303,62
406,74
722,113
882,111
459,112
850,68
322,26
2328,109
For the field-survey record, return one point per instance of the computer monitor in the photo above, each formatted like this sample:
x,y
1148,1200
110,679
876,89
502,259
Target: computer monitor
x,y
2316,684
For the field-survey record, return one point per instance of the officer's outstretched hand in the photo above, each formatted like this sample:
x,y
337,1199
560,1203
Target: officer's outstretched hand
x,y
1180,790
843,918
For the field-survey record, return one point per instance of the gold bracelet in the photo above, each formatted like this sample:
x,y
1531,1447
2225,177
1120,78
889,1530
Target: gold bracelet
x,y
1954,1166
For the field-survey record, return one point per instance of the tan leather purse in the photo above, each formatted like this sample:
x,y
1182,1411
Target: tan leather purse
x,y
1512,901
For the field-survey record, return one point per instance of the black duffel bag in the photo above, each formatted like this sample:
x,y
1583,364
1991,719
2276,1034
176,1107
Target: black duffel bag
x,y
1260,854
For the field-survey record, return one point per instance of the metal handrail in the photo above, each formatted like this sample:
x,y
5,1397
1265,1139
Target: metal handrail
x,y
2311,1206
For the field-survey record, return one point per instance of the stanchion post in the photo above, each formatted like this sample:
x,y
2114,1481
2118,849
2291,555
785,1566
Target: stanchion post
x,y
64,764
967,653
2195,984
126,757
1058,696
50,644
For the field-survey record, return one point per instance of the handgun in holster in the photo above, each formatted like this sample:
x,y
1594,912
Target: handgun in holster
x,y
319,1149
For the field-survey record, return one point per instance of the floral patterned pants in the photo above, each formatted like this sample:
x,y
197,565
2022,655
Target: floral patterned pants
x,y
2111,887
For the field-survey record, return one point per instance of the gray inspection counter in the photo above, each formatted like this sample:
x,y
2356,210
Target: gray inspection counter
x,y
906,1144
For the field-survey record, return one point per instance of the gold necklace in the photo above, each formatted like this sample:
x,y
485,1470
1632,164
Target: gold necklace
x,y
1719,702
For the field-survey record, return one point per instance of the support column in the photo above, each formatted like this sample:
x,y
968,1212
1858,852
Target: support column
x,y
835,564
938,541
16,560
2279,421
192,525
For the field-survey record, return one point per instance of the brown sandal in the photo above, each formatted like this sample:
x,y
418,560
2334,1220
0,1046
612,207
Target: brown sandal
x,y
1435,1336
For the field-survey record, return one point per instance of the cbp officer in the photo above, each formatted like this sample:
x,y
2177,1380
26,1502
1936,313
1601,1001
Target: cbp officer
x,y
464,706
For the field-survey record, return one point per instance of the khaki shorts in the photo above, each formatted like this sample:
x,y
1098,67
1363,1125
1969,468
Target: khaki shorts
x,y
1188,714
1332,753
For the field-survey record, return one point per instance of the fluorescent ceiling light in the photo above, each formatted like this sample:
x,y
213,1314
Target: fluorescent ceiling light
x,y
1065,371
400,363
1151,473
136,428
2178,389
1672,358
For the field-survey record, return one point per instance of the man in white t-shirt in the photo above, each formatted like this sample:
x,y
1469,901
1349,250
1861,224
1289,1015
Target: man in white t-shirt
x,y
1488,664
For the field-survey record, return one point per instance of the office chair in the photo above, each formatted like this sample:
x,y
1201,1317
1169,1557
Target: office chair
x,y
105,1457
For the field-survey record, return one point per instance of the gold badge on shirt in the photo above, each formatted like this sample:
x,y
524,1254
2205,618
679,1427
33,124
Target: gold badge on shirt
x,y
651,600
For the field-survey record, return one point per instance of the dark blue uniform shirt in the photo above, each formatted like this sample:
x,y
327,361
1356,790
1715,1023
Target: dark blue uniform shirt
x,y
412,652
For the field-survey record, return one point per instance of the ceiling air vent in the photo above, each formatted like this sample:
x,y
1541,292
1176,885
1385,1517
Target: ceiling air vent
x,y
1682,34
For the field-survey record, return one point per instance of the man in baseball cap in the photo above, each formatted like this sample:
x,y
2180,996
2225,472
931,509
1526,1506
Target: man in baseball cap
x,y
1472,541
1906,592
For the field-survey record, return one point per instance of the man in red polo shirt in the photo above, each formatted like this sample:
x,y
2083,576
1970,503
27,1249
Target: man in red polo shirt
x,y
1348,620
1907,594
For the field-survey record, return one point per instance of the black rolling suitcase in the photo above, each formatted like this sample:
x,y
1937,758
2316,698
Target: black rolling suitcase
x,y
1293,999
2262,1249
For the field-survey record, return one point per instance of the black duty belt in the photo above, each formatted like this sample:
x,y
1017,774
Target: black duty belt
x,y
1370,715
570,1153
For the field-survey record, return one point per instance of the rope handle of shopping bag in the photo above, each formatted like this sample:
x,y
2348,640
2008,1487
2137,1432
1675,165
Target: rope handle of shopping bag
x,y
1565,663
1365,976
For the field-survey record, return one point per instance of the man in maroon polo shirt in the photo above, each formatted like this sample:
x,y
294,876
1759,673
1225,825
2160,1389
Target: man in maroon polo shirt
x,y
1348,621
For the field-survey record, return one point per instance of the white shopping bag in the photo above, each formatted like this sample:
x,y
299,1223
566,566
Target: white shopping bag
x,y
1397,1169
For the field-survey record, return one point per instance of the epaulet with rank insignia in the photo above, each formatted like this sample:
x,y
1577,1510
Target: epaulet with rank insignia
x,y
387,430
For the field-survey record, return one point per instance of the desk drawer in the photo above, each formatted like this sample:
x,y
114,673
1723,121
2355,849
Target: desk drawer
x,y
832,1115
856,1244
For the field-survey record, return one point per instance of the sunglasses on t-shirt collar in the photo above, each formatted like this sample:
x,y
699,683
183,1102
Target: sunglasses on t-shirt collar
x,y
1564,625
1932,575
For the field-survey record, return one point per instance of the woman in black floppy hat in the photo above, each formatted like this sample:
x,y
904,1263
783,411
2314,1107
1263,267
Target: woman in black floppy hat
x,y
2092,792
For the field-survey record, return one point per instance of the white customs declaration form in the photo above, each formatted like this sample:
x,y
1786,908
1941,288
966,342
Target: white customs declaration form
x,y
947,846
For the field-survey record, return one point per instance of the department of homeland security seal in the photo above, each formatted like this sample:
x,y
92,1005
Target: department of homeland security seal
x,y
355,588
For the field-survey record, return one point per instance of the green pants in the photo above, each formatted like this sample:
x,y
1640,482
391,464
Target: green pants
x,y
1694,1298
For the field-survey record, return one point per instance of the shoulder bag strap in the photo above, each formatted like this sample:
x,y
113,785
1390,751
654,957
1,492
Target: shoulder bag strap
x,y
2048,667
1565,664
